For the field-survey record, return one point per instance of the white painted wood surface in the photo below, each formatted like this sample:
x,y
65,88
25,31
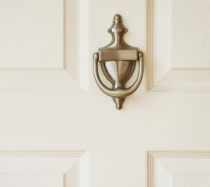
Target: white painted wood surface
x,y
31,34
43,168
179,169
178,45
73,114
40,46
35,180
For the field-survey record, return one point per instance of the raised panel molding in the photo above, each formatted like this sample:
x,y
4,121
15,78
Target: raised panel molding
x,y
44,168
31,34
178,169
64,38
178,43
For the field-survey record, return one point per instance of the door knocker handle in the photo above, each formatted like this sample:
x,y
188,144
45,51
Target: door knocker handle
x,y
118,62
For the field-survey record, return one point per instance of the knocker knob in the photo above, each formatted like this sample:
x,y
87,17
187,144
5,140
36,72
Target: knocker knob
x,y
117,19
118,62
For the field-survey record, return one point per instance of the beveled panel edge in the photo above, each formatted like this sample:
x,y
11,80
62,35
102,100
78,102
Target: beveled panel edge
x,y
82,163
187,85
169,154
75,63
37,80
149,56
70,153
151,85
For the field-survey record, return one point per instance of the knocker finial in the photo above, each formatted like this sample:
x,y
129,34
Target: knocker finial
x,y
118,62
117,19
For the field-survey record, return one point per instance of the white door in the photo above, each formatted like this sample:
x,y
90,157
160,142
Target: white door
x,y
59,130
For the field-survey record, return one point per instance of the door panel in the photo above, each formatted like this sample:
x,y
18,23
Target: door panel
x,y
178,169
39,46
31,34
35,180
43,168
178,45
63,109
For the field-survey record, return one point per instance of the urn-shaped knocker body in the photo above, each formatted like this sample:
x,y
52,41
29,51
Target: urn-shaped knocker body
x,y
118,62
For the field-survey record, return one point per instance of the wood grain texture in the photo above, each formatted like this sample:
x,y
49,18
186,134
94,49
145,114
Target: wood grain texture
x,y
190,34
33,180
117,140
185,79
38,80
84,66
71,38
50,30
71,177
178,169
31,34
178,45
42,168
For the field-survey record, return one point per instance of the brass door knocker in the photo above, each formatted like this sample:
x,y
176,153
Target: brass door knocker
x,y
118,62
